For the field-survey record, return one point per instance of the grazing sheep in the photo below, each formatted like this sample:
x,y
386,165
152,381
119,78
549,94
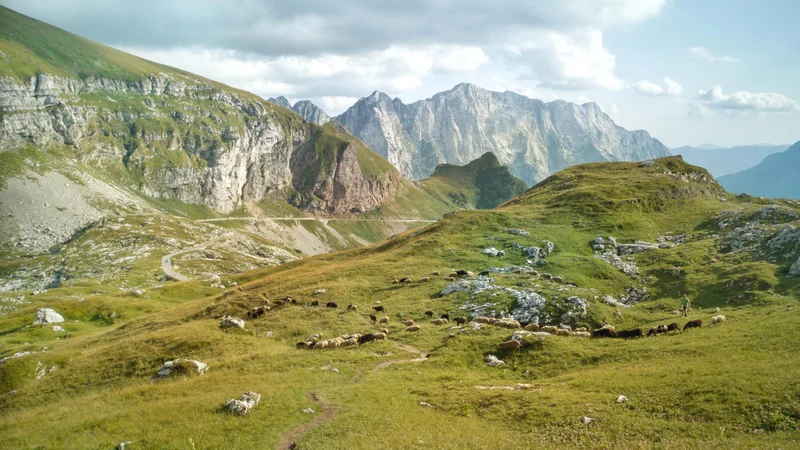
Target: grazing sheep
x,y
406,281
558,280
627,334
385,331
532,327
429,313
470,274
673,327
581,329
482,320
450,278
424,280
395,281
511,345
379,309
604,332
485,273
408,322
331,305
315,303
717,320
493,320
693,324
445,315
439,321
454,274
460,273
366,338
549,329
350,342
301,345
352,308
321,345
460,321
507,323
582,334
655,331
379,336
413,328
608,327
562,332
384,321
373,318
435,273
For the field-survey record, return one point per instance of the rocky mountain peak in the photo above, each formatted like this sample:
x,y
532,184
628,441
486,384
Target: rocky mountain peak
x,y
311,112
282,101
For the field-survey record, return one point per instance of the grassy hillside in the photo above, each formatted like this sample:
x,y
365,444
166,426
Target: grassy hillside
x,y
483,183
727,386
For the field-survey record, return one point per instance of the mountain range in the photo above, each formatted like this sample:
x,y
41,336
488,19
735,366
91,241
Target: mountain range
x,y
778,175
533,138
726,160
305,109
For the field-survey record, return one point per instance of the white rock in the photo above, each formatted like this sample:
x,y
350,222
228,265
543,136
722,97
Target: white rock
x,y
492,361
308,411
57,328
47,315
243,404
318,291
622,399
586,420
169,366
231,322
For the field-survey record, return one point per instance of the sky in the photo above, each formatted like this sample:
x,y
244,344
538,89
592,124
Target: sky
x,y
689,72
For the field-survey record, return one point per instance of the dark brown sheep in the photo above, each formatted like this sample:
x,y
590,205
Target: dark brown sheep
x,y
693,324
634,333
655,331
373,318
460,321
445,315
429,313
315,303
673,327
379,309
365,338
604,333
331,305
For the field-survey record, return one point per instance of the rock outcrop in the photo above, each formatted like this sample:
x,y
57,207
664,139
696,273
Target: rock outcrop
x,y
311,112
535,139
47,315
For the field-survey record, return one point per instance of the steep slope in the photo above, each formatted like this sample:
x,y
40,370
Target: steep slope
x,y
483,183
726,160
533,138
311,112
778,175
680,389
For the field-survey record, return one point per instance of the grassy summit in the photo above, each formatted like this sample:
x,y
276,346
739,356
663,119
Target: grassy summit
x,y
733,385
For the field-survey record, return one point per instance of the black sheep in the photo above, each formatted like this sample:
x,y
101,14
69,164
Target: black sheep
x,y
315,303
378,309
604,332
331,305
485,273
365,338
693,324
627,334
429,313
460,320
445,315
373,318
462,273
673,327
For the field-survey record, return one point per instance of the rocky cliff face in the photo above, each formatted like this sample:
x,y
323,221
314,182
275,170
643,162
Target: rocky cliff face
x,y
173,137
535,139
311,112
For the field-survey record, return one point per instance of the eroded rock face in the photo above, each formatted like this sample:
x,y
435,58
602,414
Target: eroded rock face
x,y
208,146
535,139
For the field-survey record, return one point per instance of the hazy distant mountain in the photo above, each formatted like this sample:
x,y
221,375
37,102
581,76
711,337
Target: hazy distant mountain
x,y
777,176
533,138
722,161
307,110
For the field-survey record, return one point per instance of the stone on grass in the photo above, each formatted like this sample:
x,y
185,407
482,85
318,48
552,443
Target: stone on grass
x,y
622,399
243,404
308,411
47,315
181,367
57,328
586,420
492,361
231,322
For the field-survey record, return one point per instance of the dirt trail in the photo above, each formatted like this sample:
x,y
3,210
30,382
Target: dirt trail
x,y
329,411
166,261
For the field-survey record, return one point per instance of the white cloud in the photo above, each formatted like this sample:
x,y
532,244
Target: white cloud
x,y
393,70
574,60
704,53
668,86
715,98
337,104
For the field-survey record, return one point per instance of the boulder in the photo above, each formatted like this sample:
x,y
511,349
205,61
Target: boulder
x,y
795,269
492,361
47,315
518,232
638,247
243,404
493,252
231,322
622,399
549,247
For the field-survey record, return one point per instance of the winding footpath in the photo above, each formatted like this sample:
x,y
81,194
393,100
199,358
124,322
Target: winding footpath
x,y
288,440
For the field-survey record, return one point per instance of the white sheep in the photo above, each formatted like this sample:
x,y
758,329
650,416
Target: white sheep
x,y
413,328
384,321
717,319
